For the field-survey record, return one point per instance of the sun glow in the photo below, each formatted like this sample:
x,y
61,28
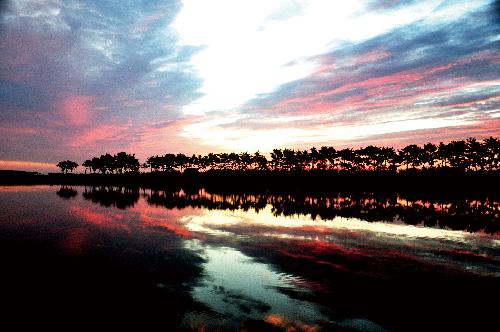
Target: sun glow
x,y
250,48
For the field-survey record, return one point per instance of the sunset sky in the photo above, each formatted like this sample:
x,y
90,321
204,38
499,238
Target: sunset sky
x,y
81,78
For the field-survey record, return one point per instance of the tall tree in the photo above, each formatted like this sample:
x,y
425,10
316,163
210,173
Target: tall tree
x,y
389,158
411,155
492,152
428,156
457,150
181,161
259,161
67,165
245,161
88,165
277,159
347,159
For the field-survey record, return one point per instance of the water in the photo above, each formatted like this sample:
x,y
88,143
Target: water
x,y
176,260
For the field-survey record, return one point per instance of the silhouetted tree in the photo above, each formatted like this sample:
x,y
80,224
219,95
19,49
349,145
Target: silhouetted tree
x,y
213,161
303,159
389,158
474,154
411,155
326,157
277,159
313,157
259,161
245,161
107,163
428,155
67,165
95,164
181,161
456,156
371,157
347,159
289,159
443,154
154,163
88,165
492,152
132,163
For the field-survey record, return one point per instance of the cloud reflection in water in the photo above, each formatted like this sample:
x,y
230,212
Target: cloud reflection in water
x,y
241,268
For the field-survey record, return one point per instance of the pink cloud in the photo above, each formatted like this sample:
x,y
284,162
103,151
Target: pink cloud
x,y
396,80
329,64
480,130
18,131
371,57
105,132
386,91
374,86
76,109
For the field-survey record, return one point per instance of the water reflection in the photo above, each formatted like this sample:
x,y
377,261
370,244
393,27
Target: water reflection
x,y
119,197
195,260
65,262
240,288
460,213
66,192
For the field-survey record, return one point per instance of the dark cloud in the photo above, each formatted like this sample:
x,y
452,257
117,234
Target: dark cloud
x,y
496,11
3,6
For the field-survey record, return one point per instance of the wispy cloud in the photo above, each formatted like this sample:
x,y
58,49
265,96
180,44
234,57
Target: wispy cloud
x,y
243,45
426,74
82,78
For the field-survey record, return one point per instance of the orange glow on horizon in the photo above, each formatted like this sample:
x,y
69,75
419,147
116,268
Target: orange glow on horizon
x,y
19,165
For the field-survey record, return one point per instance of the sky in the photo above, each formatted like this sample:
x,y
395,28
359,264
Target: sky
x,y
82,78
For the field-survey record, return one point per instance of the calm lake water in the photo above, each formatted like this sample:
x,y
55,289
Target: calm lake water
x,y
175,260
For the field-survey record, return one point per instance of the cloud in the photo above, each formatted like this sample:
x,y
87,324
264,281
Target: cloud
x,y
417,77
187,76
77,110
242,45
98,134
81,73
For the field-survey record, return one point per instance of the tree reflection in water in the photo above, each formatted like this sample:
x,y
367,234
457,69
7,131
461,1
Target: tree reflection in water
x,y
120,197
349,270
471,214
62,269
66,192
191,259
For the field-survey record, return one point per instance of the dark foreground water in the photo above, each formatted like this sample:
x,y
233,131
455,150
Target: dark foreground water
x,y
82,257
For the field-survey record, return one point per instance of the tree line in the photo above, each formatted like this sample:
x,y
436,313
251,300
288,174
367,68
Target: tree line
x,y
121,162
464,155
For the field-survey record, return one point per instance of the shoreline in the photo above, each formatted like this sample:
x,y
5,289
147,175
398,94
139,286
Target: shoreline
x,y
429,181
